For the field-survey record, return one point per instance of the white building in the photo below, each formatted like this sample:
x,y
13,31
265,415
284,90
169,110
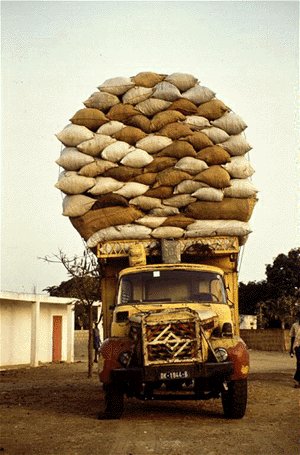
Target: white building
x,y
35,328
248,321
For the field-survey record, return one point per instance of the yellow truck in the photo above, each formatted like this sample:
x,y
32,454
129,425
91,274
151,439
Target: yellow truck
x,y
171,323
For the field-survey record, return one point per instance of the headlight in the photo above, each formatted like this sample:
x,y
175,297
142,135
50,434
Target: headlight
x,y
221,354
124,358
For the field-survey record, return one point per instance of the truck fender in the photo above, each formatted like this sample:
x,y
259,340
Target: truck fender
x,y
239,355
110,350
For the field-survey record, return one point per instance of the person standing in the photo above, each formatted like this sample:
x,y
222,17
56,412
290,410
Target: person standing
x,y
96,341
295,348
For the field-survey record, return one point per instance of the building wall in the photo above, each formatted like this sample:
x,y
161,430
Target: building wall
x,y
266,339
46,329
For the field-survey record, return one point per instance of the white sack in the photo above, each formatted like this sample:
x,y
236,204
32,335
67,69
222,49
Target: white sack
x,y
72,183
239,168
191,165
167,232
72,135
217,135
102,101
137,95
72,160
164,211
242,188
166,91
132,189
111,127
183,81
94,146
116,151
137,158
231,123
152,106
116,85
153,143
199,94
188,187
104,185
196,122
121,232
77,205
236,145
151,221
217,227
209,194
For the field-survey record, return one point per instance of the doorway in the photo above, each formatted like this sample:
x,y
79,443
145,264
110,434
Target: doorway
x,y
56,338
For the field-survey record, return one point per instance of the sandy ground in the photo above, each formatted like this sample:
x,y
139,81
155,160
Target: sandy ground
x,y
53,410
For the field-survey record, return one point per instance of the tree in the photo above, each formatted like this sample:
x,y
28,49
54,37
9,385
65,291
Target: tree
x,y
84,286
283,275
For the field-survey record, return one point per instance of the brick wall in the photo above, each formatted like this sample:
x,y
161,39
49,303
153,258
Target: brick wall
x,y
266,339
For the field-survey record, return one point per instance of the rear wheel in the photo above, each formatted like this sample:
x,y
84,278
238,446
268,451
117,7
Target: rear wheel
x,y
114,402
234,400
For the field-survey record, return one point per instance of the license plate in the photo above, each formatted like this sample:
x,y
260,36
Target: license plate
x,y
174,375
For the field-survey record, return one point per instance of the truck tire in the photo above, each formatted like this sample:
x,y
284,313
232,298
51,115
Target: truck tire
x,y
234,400
113,401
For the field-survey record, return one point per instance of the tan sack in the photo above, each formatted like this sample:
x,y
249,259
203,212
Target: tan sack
x,y
231,123
152,106
240,188
153,143
105,185
121,112
116,151
178,149
77,205
160,192
111,128
137,95
171,177
175,130
147,79
72,160
146,202
140,121
160,163
209,194
186,107
166,91
191,165
164,211
137,158
116,85
72,183
214,176
147,179
95,145
130,134
151,221
239,167
179,200
72,135
109,200
199,140
213,109
93,220
123,173
236,145
183,81
167,232
217,135
162,119
121,232
97,167
196,122
188,187
214,155
178,221
101,100
89,117
132,189
199,94
228,209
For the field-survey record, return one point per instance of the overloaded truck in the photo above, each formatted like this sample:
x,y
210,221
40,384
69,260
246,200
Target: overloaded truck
x,y
171,324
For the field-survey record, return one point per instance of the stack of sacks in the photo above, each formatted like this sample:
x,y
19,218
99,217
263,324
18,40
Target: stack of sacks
x,y
156,156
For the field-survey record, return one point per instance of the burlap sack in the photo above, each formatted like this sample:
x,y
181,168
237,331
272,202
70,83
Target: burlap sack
x,y
97,167
191,165
178,149
147,79
188,187
214,155
236,145
214,176
121,112
217,135
130,134
137,95
183,81
171,177
140,121
162,192
146,202
89,117
116,151
109,200
164,118
101,100
199,140
152,106
186,107
167,232
148,178
116,85
72,160
94,220
231,123
213,109
180,221
138,158
95,146
72,135
240,188
160,163
132,189
196,122
166,91
151,221
105,185
239,167
123,173
111,128
180,200
209,194
199,94
217,227
153,143
175,130
228,209
121,232
164,211
72,183
77,205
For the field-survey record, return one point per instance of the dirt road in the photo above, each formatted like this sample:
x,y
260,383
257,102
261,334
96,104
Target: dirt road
x,y
52,410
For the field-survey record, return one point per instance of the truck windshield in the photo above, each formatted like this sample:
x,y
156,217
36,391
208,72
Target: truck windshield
x,y
171,286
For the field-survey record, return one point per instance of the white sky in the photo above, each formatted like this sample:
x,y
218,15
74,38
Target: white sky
x,y
55,54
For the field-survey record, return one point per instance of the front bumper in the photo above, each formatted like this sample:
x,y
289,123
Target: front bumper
x,y
153,373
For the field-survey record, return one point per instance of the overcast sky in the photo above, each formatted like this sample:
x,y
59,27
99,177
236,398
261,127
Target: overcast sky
x,y
55,54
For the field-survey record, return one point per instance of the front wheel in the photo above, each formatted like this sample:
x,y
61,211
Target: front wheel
x,y
234,400
114,402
